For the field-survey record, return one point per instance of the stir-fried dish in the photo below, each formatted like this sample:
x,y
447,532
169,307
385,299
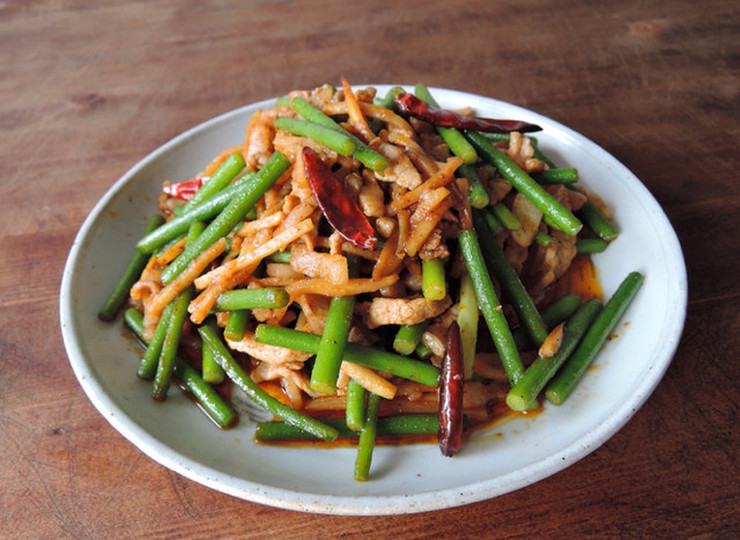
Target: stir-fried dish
x,y
367,266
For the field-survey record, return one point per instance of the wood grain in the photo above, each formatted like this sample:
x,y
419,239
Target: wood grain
x,y
89,88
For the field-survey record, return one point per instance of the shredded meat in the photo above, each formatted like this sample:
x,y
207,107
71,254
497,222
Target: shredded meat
x,y
289,378
551,262
325,265
521,152
371,197
259,145
516,255
529,216
403,311
572,200
269,353
400,169
434,247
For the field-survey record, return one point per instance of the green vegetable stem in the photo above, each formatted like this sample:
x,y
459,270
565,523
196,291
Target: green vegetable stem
x,y
240,299
386,362
210,400
454,139
490,306
562,385
366,443
596,221
552,315
178,226
136,264
408,337
166,363
543,369
235,372
510,282
556,213
355,405
399,425
433,284
231,215
364,154
335,140
228,170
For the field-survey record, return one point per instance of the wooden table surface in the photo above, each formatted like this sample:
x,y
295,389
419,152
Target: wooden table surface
x,y
89,88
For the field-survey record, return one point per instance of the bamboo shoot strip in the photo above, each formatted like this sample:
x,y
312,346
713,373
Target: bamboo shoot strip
x,y
394,364
242,202
178,226
542,369
228,170
558,215
235,372
455,140
130,275
512,286
490,306
400,425
210,400
562,385
366,443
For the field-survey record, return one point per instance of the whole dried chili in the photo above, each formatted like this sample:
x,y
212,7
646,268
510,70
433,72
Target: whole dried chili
x,y
341,210
451,395
410,105
185,190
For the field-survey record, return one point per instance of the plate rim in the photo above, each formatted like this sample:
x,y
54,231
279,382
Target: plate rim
x,y
365,505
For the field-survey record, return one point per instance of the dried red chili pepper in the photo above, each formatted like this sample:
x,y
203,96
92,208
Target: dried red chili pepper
x,y
410,105
451,395
341,210
184,190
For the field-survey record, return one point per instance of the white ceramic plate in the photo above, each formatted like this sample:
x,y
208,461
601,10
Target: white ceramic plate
x,y
404,479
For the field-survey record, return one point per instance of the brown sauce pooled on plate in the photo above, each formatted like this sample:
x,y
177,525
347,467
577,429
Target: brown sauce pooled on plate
x,y
581,279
